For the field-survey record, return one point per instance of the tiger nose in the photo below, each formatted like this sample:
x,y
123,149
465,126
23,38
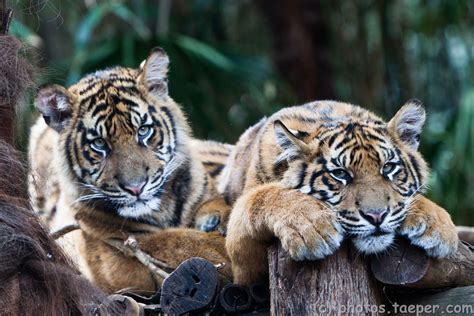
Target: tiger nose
x,y
134,188
375,217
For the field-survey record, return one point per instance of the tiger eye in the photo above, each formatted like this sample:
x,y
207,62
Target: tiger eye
x,y
341,175
99,142
144,130
388,167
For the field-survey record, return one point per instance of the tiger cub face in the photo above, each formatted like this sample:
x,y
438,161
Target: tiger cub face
x,y
120,134
362,168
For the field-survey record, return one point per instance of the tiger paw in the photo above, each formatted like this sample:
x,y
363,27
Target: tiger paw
x,y
208,223
213,215
430,227
310,236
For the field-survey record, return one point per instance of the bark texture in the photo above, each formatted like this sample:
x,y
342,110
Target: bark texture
x,y
340,284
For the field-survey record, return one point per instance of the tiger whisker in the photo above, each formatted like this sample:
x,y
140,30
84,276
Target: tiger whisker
x,y
89,197
413,197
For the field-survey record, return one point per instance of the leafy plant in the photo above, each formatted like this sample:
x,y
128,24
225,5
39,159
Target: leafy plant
x,y
223,69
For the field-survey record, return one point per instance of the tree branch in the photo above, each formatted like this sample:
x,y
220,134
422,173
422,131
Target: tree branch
x,y
130,248
466,234
5,17
65,230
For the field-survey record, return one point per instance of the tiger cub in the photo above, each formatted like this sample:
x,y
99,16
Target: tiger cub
x,y
121,160
314,173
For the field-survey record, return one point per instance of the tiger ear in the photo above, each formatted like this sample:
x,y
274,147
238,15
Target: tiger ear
x,y
408,123
292,147
155,71
54,103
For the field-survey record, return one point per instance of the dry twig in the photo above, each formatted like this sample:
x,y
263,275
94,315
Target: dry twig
x,y
130,248
65,230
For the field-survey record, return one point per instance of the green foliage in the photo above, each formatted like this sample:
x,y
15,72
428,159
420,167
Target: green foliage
x,y
453,162
223,74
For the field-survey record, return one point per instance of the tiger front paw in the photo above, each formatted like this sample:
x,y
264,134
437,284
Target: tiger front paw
x,y
430,227
310,236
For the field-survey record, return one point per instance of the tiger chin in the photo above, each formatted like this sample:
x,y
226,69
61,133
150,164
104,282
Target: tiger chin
x,y
325,171
115,152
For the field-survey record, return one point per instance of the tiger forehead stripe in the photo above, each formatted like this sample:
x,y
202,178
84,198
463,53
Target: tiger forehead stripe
x,y
90,86
94,88
112,97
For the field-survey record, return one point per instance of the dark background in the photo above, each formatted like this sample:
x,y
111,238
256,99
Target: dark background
x,y
233,62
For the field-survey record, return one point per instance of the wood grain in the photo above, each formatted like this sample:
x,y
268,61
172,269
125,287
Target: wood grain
x,y
330,286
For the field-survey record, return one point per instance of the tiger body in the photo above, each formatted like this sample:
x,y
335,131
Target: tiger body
x,y
118,154
311,175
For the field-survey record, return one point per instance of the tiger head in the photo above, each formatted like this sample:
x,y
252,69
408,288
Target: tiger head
x,y
364,169
121,135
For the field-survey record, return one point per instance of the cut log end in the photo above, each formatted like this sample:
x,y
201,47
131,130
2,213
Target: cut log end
x,y
409,266
402,264
191,287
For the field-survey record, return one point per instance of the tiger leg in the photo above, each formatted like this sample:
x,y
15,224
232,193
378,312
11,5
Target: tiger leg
x,y
430,227
306,228
113,271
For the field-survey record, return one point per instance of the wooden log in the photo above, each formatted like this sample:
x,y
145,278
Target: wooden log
x,y
466,234
409,266
400,265
457,301
191,287
341,284
235,298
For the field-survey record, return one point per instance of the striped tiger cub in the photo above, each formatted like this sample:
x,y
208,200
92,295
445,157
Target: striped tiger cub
x,y
114,151
312,174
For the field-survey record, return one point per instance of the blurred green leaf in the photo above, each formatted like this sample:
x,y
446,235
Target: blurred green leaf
x,y
24,33
205,52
